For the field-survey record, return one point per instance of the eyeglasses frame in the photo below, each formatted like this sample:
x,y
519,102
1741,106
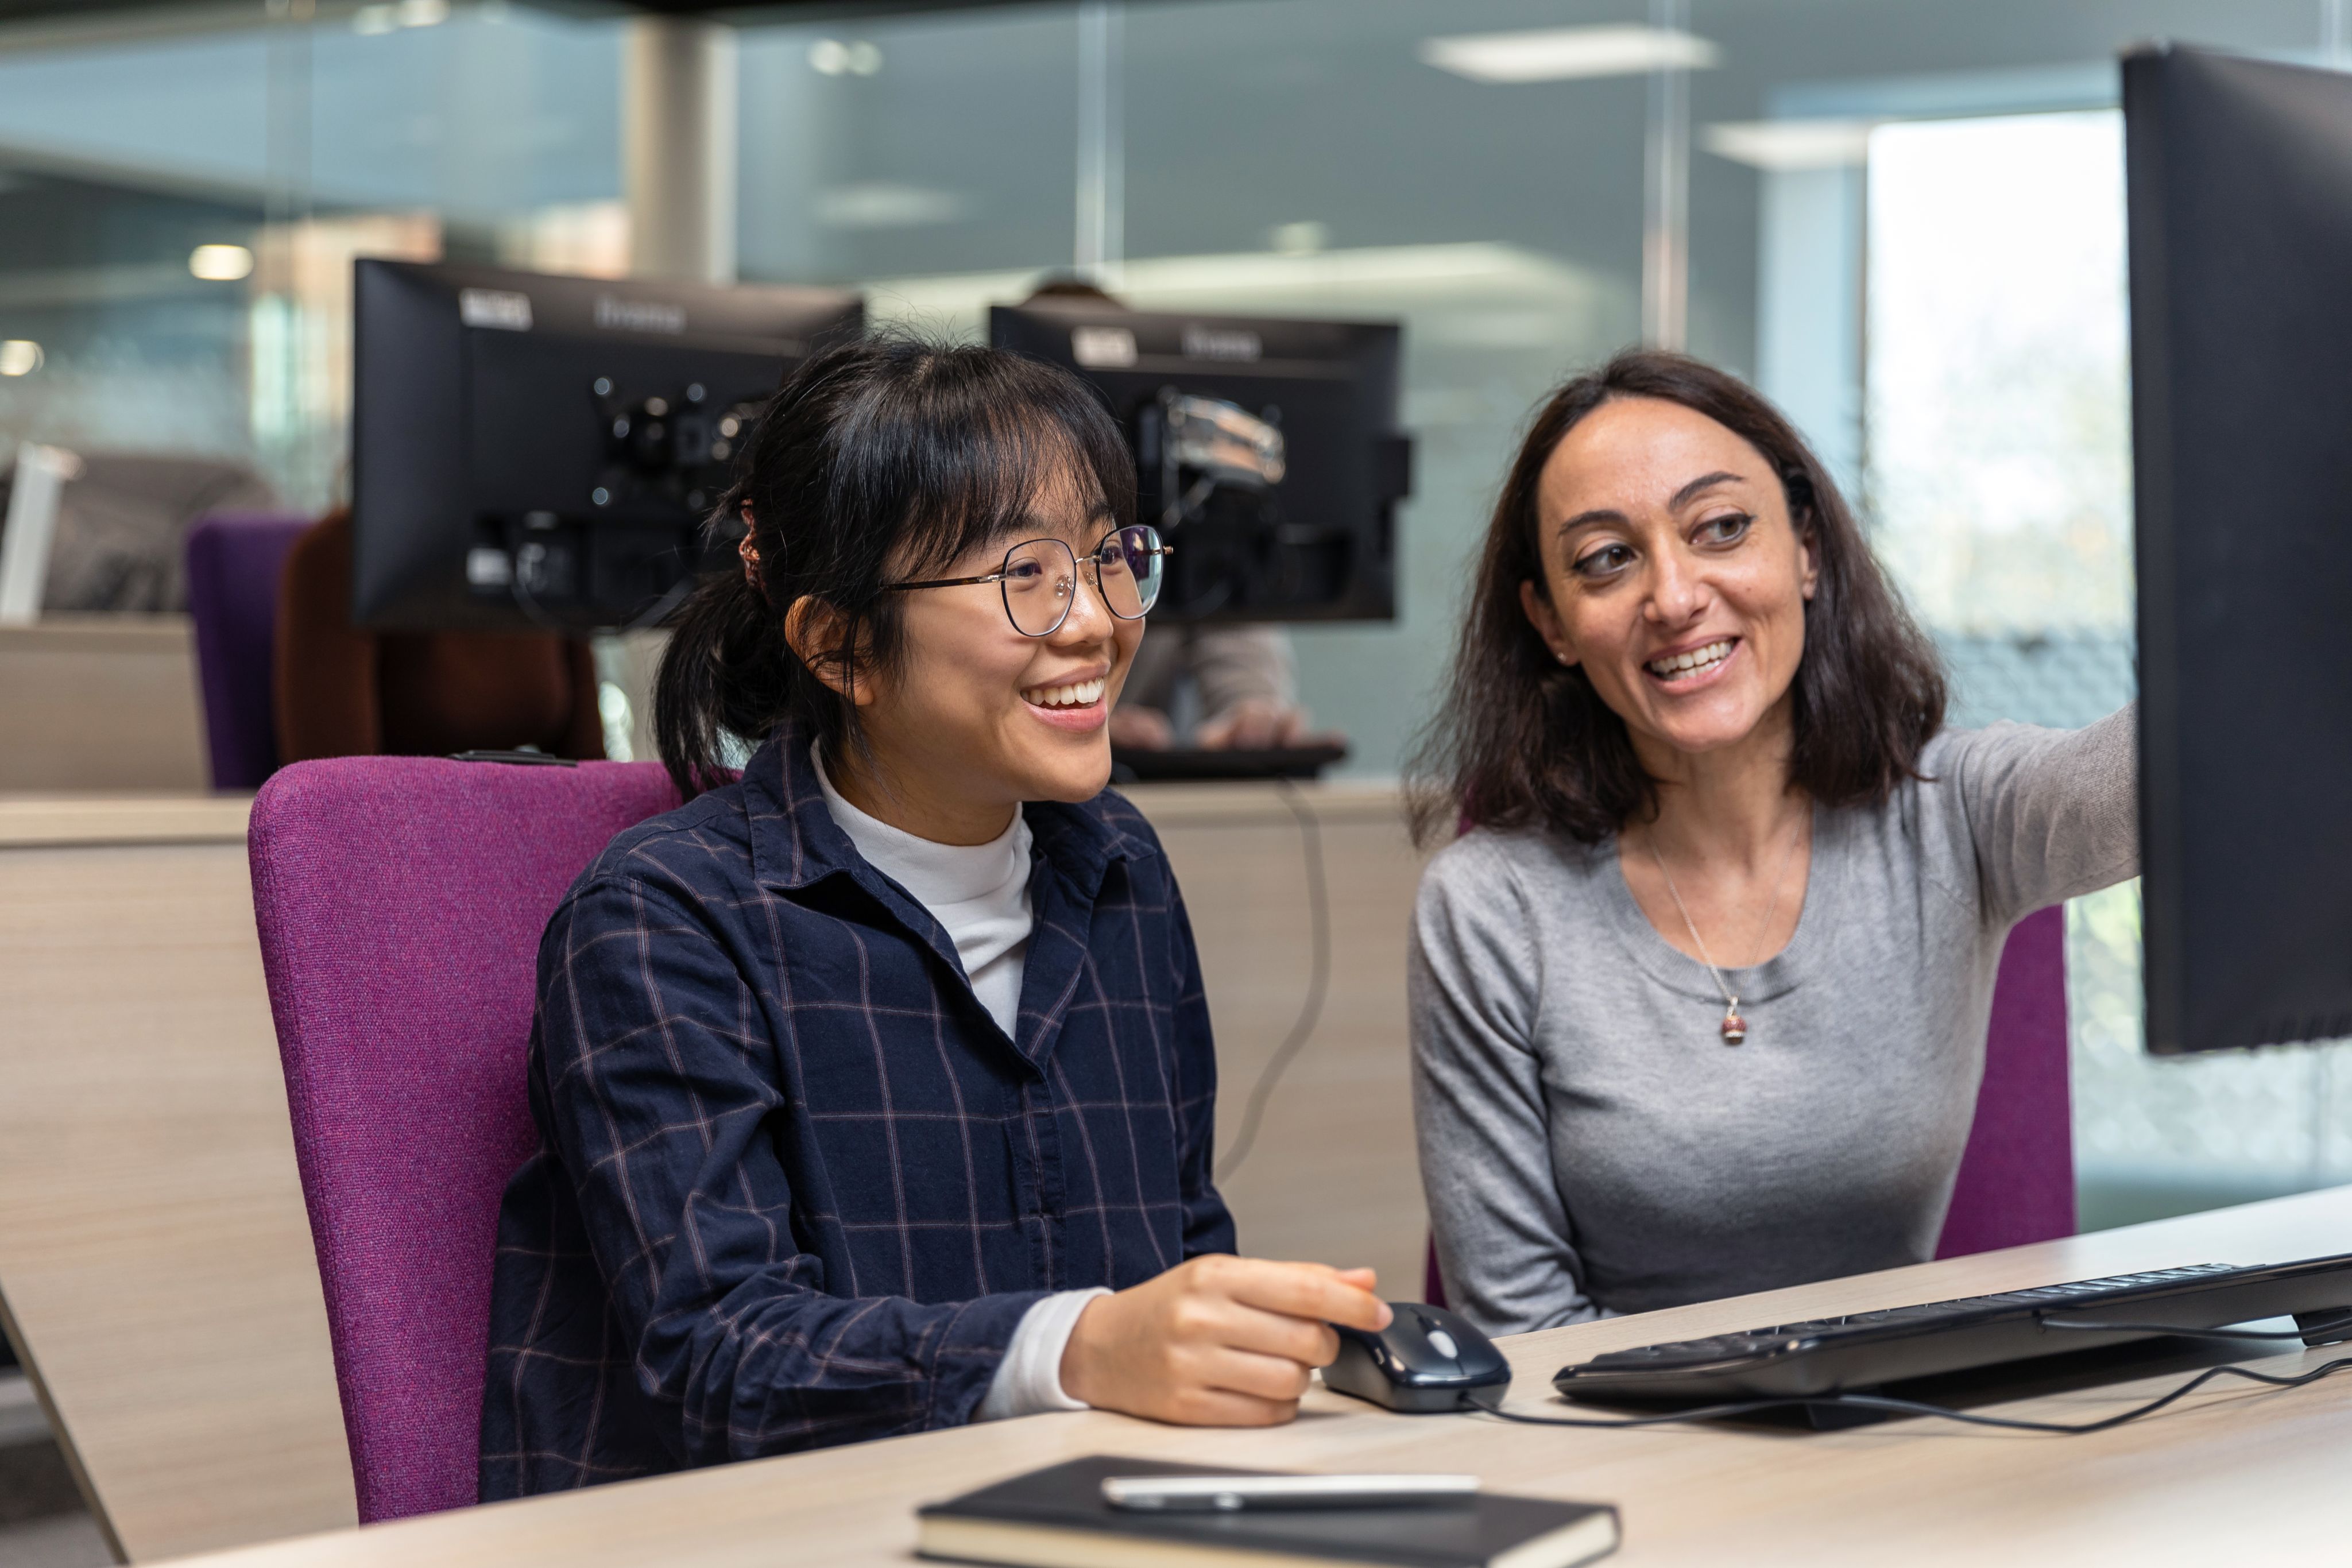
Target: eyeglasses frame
x,y
1002,572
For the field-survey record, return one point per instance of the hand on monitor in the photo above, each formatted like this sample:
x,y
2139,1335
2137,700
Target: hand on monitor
x,y
1217,1341
1140,728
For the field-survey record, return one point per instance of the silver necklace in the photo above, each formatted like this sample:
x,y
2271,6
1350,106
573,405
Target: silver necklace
x,y
1734,1027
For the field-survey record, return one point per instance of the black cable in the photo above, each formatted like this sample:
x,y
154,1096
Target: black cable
x,y
2076,1428
1695,1413
1942,1412
2332,1326
1318,979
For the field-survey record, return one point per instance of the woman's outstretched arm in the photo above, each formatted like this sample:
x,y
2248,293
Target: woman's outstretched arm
x,y
2054,813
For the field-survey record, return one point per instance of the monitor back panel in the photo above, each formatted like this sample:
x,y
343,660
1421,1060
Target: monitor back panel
x,y
2239,179
570,434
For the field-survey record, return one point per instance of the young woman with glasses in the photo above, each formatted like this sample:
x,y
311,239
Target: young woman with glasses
x,y
875,1086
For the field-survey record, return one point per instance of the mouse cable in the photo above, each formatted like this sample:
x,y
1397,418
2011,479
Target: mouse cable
x,y
1318,979
1941,1412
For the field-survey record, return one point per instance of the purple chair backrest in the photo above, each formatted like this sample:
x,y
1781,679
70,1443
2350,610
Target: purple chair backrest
x,y
400,902
235,559
2017,1175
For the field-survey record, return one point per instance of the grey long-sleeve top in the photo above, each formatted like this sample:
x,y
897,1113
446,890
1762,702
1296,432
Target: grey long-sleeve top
x,y
1590,1145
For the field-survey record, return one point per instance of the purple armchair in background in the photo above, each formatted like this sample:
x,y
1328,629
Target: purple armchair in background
x,y
2017,1175
232,564
400,902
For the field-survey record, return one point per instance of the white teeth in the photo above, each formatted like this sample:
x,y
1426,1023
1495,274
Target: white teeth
x,y
1080,694
1704,658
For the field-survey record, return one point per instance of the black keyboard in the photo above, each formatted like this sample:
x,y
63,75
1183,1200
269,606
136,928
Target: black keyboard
x,y
1869,1350
1130,765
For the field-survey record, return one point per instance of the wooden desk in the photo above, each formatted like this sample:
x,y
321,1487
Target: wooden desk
x,y
2231,1475
155,1265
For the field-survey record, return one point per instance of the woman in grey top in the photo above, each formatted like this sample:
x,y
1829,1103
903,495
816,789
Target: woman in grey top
x,y
1699,1001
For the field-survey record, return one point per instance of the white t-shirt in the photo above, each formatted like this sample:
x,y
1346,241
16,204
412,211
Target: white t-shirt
x,y
979,893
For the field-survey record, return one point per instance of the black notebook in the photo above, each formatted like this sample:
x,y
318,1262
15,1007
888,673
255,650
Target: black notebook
x,y
1056,1518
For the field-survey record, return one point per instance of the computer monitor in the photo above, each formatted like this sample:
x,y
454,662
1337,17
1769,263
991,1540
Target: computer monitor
x,y
537,451
2240,180
1267,451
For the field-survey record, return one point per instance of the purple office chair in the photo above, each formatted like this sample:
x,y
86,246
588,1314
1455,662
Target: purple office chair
x,y
2017,1175
400,902
233,559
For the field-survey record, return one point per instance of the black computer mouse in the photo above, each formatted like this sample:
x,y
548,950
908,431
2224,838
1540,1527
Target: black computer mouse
x,y
1425,1361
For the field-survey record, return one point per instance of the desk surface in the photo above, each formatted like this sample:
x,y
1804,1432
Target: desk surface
x,y
2232,1472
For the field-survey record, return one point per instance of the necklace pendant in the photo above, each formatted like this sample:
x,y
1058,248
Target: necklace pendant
x,y
1735,1027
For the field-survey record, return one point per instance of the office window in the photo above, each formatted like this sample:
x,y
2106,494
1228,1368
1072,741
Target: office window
x,y
2000,440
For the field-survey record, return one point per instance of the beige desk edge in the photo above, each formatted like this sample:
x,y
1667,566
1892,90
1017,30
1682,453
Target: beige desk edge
x,y
44,822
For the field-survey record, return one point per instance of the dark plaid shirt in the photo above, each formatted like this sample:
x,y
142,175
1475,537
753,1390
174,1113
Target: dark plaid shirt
x,y
795,1185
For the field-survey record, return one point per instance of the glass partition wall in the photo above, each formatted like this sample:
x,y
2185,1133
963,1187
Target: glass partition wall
x,y
1903,221
181,207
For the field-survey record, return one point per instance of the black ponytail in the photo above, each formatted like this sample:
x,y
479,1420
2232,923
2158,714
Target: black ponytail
x,y
722,674
876,460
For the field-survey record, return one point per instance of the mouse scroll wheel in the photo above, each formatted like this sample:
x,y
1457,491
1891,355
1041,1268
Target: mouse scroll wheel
x,y
1442,1343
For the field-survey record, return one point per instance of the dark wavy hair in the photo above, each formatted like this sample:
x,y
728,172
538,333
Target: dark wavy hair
x,y
1526,742
876,460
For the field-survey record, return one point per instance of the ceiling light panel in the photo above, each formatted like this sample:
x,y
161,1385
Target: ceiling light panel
x,y
1564,54
1781,145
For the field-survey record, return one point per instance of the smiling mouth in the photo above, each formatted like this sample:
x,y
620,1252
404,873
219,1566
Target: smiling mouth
x,y
1679,667
1077,694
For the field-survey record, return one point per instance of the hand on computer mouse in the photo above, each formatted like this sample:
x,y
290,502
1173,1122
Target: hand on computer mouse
x,y
1217,1341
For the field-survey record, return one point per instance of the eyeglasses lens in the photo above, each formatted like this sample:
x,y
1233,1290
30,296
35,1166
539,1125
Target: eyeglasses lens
x,y
1039,578
1130,564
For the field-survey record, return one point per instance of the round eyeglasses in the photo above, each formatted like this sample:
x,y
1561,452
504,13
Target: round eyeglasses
x,y
1039,578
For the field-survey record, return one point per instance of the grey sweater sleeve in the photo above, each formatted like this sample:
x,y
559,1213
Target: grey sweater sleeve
x,y
2052,813
1505,1245
1232,664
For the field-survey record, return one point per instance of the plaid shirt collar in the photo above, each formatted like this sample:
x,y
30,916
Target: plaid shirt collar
x,y
797,845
